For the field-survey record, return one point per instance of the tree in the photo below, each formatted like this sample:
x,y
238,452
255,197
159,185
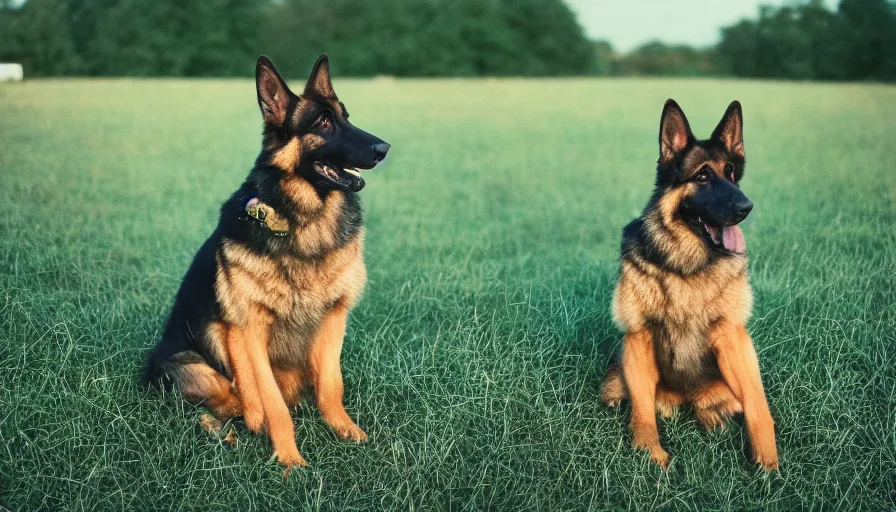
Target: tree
x,y
37,35
429,37
808,41
871,29
602,60
659,59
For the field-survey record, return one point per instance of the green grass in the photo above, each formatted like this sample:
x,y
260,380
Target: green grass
x,y
474,359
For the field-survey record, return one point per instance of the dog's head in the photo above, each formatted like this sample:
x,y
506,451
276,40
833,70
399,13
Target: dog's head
x,y
310,135
704,176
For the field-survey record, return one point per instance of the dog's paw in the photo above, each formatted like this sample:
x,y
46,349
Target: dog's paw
x,y
657,454
711,419
231,439
648,441
766,456
762,442
349,432
660,457
291,459
612,402
254,418
666,410
210,424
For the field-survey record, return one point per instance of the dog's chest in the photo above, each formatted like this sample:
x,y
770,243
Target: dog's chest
x,y
681,327
315,287
680,310
297,291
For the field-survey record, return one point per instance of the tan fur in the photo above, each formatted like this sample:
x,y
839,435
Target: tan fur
x,y
739,365
702,308
288,156
291,382
641,377
217,335
244,377
326,374
281,302
714,404
277,421
613,392
199,383
697,158
287,320
312,141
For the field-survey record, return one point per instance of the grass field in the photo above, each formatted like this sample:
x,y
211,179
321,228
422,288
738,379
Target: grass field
x,y
474,359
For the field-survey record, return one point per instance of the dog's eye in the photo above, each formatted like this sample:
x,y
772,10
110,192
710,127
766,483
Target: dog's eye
x,y
323,121
729,170
703,176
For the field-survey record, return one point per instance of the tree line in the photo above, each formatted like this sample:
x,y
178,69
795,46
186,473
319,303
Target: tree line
x,y
807,41
363,38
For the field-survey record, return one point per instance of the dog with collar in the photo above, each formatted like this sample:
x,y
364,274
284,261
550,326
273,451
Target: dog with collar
x,y
261,313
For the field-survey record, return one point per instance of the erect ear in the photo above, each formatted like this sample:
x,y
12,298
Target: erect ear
x,y
273,94
730,130
319,83
675,132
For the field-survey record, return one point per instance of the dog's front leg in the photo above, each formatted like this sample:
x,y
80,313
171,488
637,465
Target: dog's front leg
x,y
641,379
244,377
739,365
256,334
326,374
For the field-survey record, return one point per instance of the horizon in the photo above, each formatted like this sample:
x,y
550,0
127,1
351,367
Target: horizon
x,y
701,28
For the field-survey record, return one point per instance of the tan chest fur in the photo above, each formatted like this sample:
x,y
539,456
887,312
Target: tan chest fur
x,y
680,309
297,290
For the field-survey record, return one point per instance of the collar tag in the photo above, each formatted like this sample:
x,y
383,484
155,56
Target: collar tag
x,y
267,216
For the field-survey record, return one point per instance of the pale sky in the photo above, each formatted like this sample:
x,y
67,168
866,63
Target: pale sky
x,y
628,23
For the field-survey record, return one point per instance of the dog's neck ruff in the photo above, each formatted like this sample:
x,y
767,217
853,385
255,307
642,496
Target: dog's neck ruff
x,y
671,244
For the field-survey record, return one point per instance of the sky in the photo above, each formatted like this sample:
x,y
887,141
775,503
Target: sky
x,y
627,24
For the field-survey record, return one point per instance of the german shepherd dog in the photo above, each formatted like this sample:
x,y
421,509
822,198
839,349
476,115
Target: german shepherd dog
x,y
683,298
259,316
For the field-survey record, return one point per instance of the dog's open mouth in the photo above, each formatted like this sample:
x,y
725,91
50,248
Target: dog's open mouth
x,y
346,177
729,237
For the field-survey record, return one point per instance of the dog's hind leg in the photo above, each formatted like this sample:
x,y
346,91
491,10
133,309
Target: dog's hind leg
x,y
668,401
714,403
200,384
326,374
290,381
613,392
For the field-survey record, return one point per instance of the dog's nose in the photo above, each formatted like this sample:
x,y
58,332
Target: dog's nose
x,y
380,150
741,210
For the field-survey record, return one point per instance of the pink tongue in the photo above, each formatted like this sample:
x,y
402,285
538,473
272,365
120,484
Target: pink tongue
x,y
733,239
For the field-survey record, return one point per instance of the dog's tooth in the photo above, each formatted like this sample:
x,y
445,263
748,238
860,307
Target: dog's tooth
x,y
353,172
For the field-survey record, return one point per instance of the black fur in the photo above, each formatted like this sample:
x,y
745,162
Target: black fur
x,y
196,305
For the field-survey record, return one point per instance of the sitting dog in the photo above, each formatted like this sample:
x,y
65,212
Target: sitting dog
x,y
262,311
683,298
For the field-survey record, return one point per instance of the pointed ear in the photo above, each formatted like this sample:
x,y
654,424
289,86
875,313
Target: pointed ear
x,y
730,130
675,132
273,94
319,83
